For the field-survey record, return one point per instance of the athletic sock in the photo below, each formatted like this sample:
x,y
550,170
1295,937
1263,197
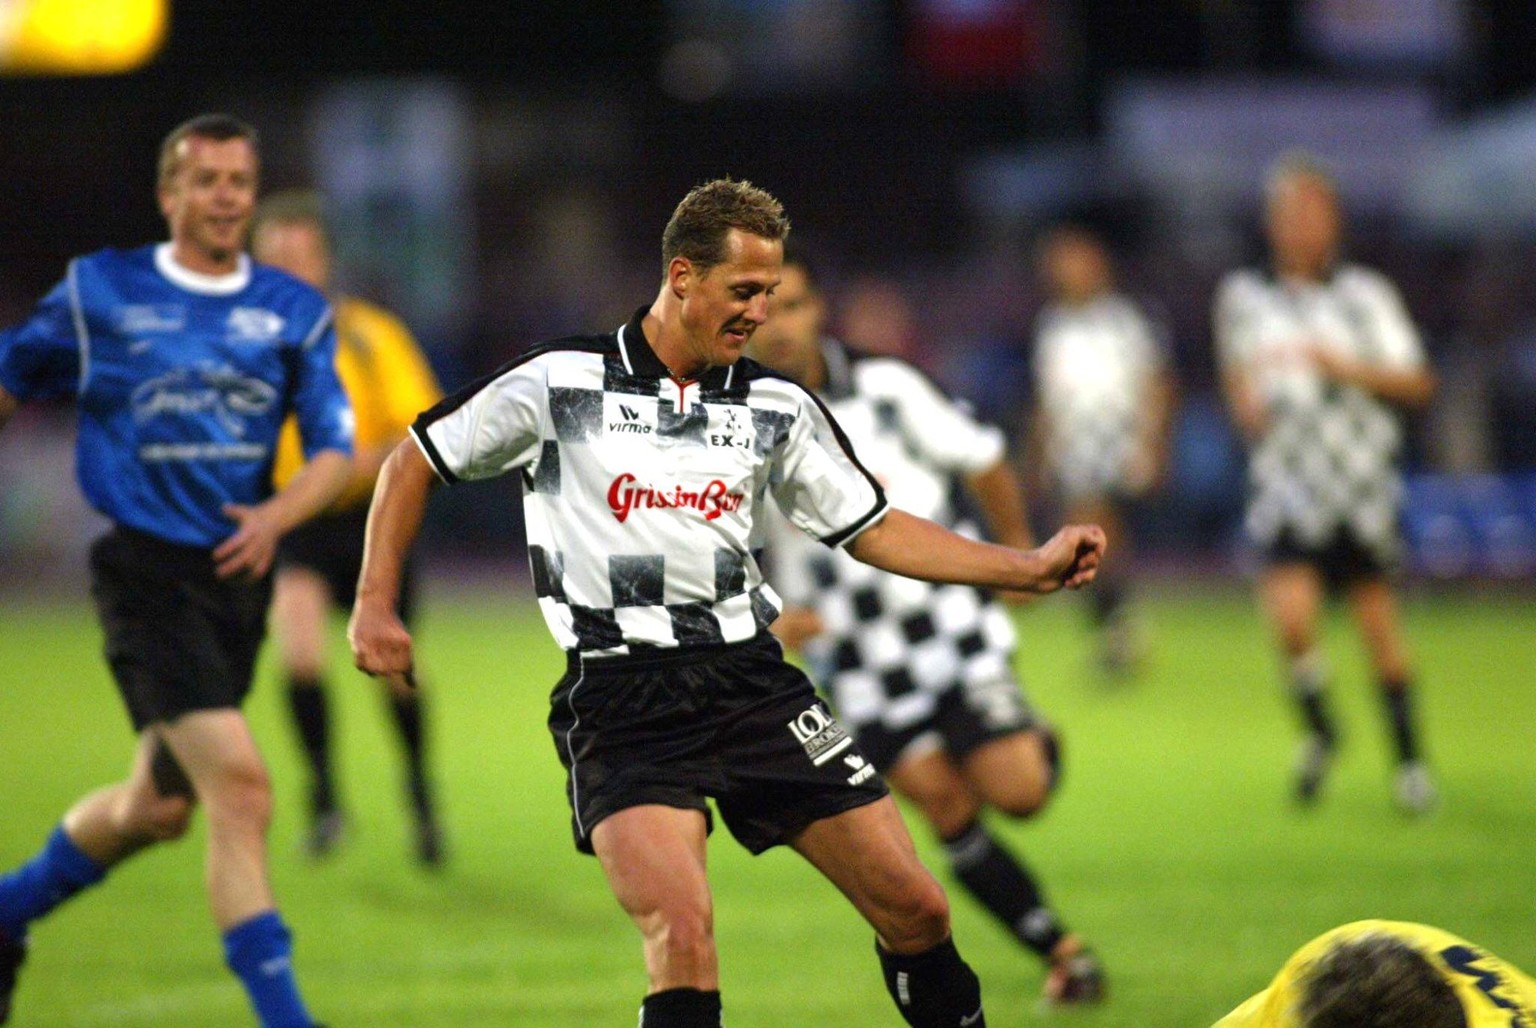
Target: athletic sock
x,y
1308,678
312,718
260,952
681,1008
408,723
1399,701
933,989
59,871
1003,885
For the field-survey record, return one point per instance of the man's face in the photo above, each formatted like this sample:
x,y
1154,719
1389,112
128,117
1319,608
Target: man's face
x,y
208,201
298,247
1076,268
791,340
723,306
1304,225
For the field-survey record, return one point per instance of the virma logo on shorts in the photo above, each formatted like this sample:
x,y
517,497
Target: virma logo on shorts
x,y
822,737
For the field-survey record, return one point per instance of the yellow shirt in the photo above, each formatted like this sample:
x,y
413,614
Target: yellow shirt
x,y
388,381
1493,994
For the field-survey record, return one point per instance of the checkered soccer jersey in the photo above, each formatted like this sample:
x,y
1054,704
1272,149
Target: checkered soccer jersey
x,y
1093,365
642,492
892,645
1329,457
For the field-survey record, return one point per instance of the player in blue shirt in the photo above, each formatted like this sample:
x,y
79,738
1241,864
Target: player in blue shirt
x,y
184,358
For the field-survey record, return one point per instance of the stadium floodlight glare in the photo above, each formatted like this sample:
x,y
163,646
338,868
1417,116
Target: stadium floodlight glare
x,y
79,37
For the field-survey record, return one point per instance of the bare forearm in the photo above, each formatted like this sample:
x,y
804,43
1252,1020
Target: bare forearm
x,y
1411,388
918,548
1000,496
8,405
394,518
312,489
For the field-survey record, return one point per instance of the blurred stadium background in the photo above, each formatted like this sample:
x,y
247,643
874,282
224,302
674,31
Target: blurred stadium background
x,y
500,174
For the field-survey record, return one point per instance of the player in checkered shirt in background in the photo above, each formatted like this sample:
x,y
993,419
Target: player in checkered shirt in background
x,y
1099,428
645,454
922,673
1319,359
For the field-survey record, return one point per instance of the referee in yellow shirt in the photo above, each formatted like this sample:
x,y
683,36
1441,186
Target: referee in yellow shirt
x,y
389,382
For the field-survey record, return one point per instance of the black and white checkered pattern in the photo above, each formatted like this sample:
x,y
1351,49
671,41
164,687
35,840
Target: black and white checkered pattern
x,y
641,492
1094,364
892,645
1329,458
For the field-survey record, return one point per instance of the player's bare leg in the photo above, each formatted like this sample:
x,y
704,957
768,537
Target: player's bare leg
x,y
1292,596
655,861
1376,612
868,854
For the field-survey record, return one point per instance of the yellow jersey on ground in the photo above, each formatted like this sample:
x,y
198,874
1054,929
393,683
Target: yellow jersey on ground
x,y
386,377
1493,994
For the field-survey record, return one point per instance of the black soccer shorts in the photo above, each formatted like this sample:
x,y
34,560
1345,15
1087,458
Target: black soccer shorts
x,y
1341,561
331,545
733,723
178,638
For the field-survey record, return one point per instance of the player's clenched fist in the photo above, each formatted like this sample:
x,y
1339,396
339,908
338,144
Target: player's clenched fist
x,y
380,644
1071,557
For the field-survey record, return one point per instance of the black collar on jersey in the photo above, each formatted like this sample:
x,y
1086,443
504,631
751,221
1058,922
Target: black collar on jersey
x,y
641,361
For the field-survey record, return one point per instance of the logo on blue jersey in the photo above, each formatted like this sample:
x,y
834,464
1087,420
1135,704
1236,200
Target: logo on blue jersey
x,y
144,318
253,325
220,392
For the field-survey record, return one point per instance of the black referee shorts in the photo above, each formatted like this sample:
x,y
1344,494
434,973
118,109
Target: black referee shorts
x,y
734,723
178,638
1341,561
331,545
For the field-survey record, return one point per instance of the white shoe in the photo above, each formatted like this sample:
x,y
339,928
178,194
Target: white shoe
x,y
1415,793
1313,761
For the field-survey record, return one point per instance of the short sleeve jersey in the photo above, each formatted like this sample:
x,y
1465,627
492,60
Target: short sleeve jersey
x,y
387,379
182,381
642,492
891,646
1093,366
1329,457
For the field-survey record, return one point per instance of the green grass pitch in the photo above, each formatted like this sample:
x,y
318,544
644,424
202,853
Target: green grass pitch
x,y
1172,845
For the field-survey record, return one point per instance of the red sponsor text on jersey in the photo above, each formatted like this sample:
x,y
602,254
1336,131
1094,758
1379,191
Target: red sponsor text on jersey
x,y
624,495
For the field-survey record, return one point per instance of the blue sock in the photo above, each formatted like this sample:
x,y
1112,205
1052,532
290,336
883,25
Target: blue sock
x,y
58,872
260,952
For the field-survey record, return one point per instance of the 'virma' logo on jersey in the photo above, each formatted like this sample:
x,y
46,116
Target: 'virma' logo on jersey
x,y
629,422
817,731
253,325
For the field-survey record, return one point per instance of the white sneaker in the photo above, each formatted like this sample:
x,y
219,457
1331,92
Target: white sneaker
x,y
1313,761
1414,791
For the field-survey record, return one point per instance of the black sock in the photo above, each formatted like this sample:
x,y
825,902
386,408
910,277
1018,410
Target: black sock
x,y
1106,600
408,723
1399,702
933,989
1307,685
1003,885
311,715
681,1008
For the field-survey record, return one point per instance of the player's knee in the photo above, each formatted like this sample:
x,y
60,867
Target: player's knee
x,y
241,793
688,937
921,919
161,819
1029,789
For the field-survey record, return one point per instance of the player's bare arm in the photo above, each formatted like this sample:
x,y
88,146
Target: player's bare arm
x,y
918,548
1409,388
259,527
797,626
1245,406
381,645
1000,496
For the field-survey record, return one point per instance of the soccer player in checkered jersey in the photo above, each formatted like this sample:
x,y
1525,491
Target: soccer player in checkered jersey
x,y
1099,428
644,456
1319,359
185,358
921,674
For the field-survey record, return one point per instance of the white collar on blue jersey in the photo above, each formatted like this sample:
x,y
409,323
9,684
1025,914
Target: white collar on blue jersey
x,y
196,281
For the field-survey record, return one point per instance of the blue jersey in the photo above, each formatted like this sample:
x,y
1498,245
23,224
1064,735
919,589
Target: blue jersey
x,y
182,383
